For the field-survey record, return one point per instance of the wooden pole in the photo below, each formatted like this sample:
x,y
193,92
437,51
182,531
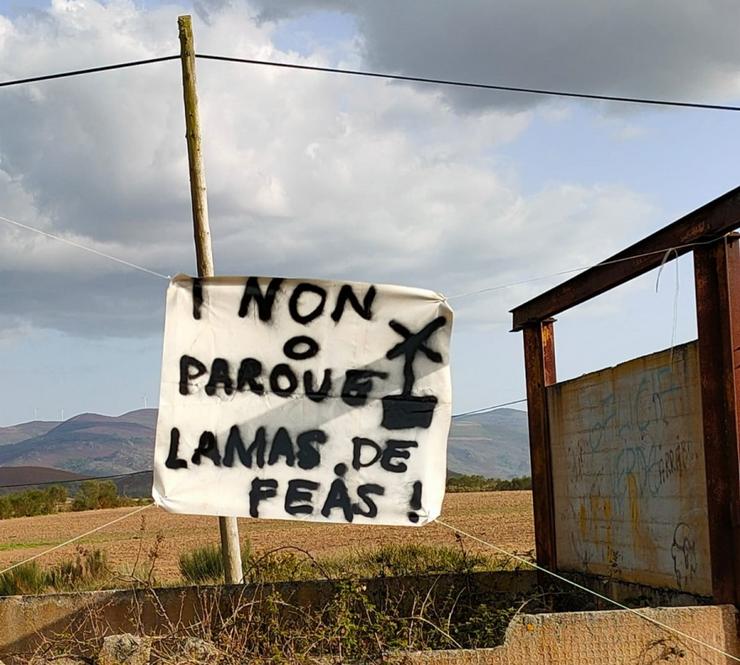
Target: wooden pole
x,y
230,549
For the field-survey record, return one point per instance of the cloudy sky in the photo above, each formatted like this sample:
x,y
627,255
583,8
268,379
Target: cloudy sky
x,y
320,175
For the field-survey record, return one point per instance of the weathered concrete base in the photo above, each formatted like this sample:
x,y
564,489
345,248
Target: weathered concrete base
x,y
568,637
605,638
26,620
633,594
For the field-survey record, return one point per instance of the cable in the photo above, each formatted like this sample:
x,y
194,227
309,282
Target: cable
x,y
621,606
75,539
665,251
456,296
501,550
484,409
466,84
70,481
84,247
89,70
381,75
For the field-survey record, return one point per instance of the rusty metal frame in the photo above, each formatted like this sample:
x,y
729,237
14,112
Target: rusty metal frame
x,y
705,224
717,285
717,277
539,354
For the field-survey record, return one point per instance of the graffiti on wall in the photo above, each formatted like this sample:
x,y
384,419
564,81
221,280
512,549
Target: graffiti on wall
x,y
628,472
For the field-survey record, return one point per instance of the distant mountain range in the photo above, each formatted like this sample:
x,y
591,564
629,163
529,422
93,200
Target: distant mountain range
x,y
88,444
17,433
23,476
492,444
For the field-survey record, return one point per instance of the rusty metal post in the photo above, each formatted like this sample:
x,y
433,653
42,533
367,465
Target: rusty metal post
x,y
539,362
717,280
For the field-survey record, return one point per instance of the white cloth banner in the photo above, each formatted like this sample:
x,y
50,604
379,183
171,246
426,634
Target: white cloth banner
x,y
303,399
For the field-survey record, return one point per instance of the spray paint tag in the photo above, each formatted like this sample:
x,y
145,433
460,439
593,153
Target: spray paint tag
x,y
303,399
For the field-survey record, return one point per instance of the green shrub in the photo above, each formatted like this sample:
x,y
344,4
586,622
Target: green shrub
x,y
6,508
94,494
280,566
520,483
58,494
27,578
204,565
419,559
32,502
475,483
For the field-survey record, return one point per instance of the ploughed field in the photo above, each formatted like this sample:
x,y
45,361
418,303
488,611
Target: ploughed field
x,y
502,518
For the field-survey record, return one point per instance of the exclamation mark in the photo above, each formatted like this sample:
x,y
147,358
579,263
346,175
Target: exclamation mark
x,y
415,502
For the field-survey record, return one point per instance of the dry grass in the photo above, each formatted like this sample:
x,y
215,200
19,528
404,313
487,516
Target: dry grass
x,y
503,518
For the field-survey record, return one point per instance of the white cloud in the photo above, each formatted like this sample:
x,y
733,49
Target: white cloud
x,y
308,174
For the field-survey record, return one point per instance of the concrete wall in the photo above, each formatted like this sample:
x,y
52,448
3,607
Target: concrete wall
x,y
26,620
606,638
628,472
567,638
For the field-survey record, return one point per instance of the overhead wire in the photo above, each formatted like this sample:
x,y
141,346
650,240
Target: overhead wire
x,y
404,78
88,70
71,481
470,84
486,409
85,248
545,92
666,252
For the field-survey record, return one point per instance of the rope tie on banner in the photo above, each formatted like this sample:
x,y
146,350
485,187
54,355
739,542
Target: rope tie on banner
x,y
621,606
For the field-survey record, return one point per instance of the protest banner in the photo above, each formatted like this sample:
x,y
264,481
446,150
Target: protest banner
x,y
303,399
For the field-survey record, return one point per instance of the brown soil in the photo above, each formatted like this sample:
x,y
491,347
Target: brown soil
x,y
502,518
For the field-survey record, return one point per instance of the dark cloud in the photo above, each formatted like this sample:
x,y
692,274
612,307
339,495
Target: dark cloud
x,y
114,305
663,48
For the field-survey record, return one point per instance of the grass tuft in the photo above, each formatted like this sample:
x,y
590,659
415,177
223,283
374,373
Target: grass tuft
x,y
203,565
26,579
420,559
87,571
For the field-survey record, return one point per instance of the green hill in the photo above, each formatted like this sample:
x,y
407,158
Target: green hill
x,y
492,444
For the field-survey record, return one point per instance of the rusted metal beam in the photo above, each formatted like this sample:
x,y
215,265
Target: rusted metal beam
x,y
717,279
539,363
705,224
